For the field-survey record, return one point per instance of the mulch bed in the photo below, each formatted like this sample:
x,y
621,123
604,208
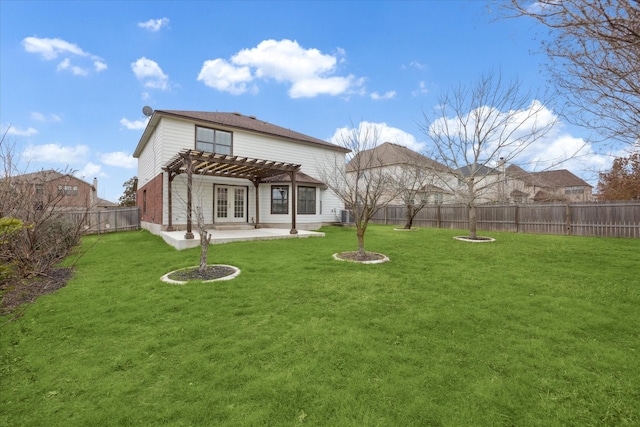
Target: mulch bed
x,y
212,272
15,294
355,256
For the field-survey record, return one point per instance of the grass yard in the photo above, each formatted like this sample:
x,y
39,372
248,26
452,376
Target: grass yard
x,y
527,331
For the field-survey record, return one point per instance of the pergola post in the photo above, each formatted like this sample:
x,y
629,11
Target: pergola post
x,y
256,183
170,202
189,233
293,203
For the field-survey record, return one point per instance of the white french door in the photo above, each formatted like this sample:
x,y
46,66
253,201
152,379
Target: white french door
x,y
230,203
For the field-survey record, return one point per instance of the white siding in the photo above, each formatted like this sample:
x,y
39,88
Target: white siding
x,y
172,136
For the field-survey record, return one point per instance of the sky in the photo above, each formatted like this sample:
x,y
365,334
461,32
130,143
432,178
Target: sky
x,y
75,75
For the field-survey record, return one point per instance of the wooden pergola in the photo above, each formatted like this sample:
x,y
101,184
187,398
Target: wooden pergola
x,y
211,164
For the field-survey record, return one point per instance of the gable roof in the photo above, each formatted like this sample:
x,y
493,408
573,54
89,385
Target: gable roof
x,y
232,120
389,154
562,178
551,179
45,175
480,170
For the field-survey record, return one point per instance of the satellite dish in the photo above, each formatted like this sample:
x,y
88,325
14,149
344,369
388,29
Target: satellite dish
x,y
147,111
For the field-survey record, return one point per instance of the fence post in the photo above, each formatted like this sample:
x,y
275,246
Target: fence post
x,y
438,218
517,218
568,219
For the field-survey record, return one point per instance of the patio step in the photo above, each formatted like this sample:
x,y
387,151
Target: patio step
x,y
233,227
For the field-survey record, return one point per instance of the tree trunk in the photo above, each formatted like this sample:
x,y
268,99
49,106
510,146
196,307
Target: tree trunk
x,y
360,232
205,238
472,222
409,218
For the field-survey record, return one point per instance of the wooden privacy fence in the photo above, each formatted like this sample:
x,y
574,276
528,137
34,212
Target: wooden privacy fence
x,y
105,220
607,219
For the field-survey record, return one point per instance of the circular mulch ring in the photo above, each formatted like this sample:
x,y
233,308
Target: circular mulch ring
x,y
212,273
369,257
478,239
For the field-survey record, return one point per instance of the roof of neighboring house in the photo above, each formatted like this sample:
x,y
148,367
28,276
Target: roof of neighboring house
x,y
480,170
103,203
562,178
551,179
389,154
43,176
234,120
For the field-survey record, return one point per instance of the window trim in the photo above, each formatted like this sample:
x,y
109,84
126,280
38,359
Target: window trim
x,y
195,142
300,203
285,197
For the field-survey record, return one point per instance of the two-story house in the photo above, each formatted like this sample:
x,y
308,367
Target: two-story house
x,y
234,170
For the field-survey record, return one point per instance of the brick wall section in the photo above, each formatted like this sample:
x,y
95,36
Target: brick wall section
x,y
153,212
83,199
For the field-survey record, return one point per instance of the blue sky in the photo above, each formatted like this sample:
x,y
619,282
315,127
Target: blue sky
x,y
75,75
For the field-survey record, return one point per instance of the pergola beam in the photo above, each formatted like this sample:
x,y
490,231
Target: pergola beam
x,y
211,164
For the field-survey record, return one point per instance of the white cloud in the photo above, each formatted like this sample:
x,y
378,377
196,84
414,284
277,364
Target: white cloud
x,y
384,132
40,117
90,171
309,88
422,89
154,25
50,49
16,131
65,64
134,125
219,74
308,71
150,73
55,153
120,159
387,95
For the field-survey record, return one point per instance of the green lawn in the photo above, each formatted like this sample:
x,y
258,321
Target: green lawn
x,y
527,331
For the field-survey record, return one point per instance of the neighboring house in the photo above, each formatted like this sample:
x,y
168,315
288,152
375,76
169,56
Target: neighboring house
x,y
53,188
235,169
420,174
548,186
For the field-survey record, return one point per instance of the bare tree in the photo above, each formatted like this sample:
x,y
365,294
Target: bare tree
x,y
362,185
593,47
476,128
45,235
414,180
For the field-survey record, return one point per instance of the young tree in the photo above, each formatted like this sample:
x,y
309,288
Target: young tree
x,y
622,182
362,185
473,129
130,191
593,47
414,180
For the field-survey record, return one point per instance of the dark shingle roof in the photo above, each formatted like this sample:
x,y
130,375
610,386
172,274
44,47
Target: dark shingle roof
x,y
388,154
250,123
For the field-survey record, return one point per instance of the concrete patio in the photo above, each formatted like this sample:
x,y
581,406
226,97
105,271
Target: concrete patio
x,y
177,240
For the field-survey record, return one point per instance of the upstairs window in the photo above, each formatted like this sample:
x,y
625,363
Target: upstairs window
x,y
68,190
213,140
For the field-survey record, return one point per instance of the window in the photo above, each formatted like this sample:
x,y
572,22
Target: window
x,y
68,190
39,188
213,140
306,200
279,199
574,190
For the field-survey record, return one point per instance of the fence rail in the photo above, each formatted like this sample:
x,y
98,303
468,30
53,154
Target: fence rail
x,y
605,219
105,220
